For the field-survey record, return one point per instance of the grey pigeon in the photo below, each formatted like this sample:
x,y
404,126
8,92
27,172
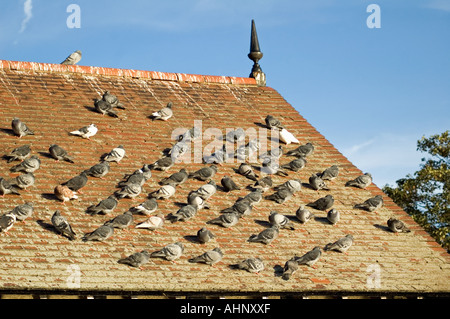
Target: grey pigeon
x,y
209,257
280,196
86,131
303,214
100,234
330,173
29,165
264,183
179,149
20,128
247,171
165,192
241,207
290,267
191,135
271,167
248,151
19,153
103,107
397,226
310,258
273,122
219,156
104,207
333,216
196,200
7,222
129,191
207,190
169,252
371,204
225,220
59,154
23,211
163,114
162,164
323,203
24,181
121,221
295,165
272,155
7,188
137,259
138,177
302,151
147,207
99,170
115,155
183,214
252,265
73,58
236,135
204,173
112,99
280,220
62,225
77,182
153,223
175,179
228,184
292,185
266,236
254,197
361,181
341,245
317,183
204,235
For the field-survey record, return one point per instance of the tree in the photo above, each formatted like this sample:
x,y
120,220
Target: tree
x,y
425,195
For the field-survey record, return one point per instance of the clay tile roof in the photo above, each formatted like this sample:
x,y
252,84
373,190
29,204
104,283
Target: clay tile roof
x,y
54,100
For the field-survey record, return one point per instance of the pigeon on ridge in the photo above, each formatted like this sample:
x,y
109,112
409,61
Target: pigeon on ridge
x,y
397,226
163,114
64,193
209,257
7,188
104,207
204,235
322,203
153,223
310,258
116,154
59,154
136,260
252,265
29,165
341,245
86,131
62,225
73,58
20,128
371,204
23,211
266,236
19,153
361,181
7,221
170,252
102,233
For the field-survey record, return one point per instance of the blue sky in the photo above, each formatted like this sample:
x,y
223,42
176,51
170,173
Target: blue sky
x,y
372,92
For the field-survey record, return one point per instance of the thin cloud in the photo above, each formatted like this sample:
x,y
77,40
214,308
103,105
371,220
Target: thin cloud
x,y
28,10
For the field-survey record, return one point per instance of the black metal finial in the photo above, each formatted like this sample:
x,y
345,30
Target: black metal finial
x,y
255,55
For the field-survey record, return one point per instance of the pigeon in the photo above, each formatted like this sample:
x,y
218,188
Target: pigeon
x,y
116,154
264,183
333,216
112,100
271,155
29,165
59,154
302,151
236,135
20,128
218,157
137,259
23,211
209,257
77,182
183,214
165,192
169,252
247,171
204,235
280,220
287,137
241,207
295,165
196,200
178,150
163,164
138,177
248,151
7,188
266,236
317,183
225,220
292,185
228,184
190,135
121,221
164,114
98,170
341,245
100,234
254,197
23,181
253,265
361,181
272,168
397,226
129,191
330,173
323,203
64,193
204,173
371,204
303,214
104,207
19,153
86,131
147,207
280,196
310,258
73,58
62,225
207,190
290,267
273,122
7,221
154,222
103,107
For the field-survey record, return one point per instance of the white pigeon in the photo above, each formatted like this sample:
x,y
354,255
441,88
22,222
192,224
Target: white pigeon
x,y
86,131
153,222
115,155
287,137
164,114
73,58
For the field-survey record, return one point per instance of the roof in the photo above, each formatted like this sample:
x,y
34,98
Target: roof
x,y
54,100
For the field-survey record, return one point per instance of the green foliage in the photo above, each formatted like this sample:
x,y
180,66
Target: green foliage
x,y
425,195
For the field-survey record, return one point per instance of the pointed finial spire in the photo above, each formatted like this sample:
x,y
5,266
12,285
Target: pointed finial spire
x,y
255,55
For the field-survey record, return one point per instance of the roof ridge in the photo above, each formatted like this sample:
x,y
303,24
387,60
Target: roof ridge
x,y
153,75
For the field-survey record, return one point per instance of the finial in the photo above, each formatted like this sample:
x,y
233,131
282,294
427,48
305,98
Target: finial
x,y
255,55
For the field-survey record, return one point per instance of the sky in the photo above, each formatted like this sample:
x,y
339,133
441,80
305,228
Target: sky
x,y
372,81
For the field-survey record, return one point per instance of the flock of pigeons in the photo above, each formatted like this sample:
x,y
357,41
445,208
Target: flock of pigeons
x,y
131,187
